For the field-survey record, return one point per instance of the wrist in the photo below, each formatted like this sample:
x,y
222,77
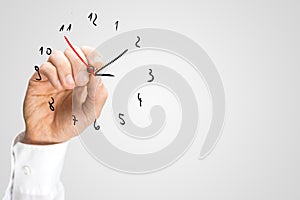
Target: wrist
x,y
30,138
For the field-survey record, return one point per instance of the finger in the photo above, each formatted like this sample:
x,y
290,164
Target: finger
x,y
96,97
49,72
80,74
101,96
78,97
93,57
64,69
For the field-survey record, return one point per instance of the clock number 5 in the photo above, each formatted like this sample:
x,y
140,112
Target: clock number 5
x,y
122,120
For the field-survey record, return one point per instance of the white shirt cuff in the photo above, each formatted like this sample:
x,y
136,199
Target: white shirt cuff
x,y
37,169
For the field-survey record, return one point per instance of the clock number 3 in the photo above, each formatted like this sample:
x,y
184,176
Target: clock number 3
x,y
152,77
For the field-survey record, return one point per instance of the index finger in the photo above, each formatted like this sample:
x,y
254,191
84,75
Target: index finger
x,y
93,57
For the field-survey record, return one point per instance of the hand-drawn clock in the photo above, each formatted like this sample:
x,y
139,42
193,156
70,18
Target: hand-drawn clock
x,y
95,137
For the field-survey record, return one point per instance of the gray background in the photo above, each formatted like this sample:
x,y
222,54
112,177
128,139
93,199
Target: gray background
x,y
255,46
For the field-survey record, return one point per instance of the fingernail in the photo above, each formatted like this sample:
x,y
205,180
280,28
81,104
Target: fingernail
x,y
69,80
82,78
95,59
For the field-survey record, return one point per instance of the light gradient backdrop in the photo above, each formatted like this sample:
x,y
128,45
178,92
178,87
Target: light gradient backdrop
x,y
255,46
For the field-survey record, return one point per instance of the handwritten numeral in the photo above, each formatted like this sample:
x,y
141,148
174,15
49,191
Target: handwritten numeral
x,y
48,50
122,120
91,18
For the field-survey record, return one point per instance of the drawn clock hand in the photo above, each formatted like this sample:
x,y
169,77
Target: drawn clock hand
x,y
90,68
109,63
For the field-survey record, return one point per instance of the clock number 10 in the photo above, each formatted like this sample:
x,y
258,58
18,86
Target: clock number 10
x,y
48,50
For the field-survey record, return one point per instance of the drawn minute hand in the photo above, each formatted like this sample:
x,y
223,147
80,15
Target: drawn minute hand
x,y
116,58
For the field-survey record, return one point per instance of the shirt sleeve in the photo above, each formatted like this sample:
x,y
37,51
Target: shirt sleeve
x,y
35,171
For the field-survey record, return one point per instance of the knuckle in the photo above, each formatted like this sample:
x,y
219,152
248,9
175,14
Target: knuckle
x,y
55,54
95,60
45,67
73,57
67,51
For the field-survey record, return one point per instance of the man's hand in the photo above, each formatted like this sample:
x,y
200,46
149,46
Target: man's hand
x,y
64,76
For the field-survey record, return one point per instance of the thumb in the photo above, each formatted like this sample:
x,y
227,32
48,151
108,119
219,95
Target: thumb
x,y
95,98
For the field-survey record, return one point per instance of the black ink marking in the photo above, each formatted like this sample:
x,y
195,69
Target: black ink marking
x,y
109,75
139,99
51,104
97,72
48,50
136,44
69,28
91,17
96,127
91,70
117,24
122,120
37,69
152,77
95,19
74,120
63,26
